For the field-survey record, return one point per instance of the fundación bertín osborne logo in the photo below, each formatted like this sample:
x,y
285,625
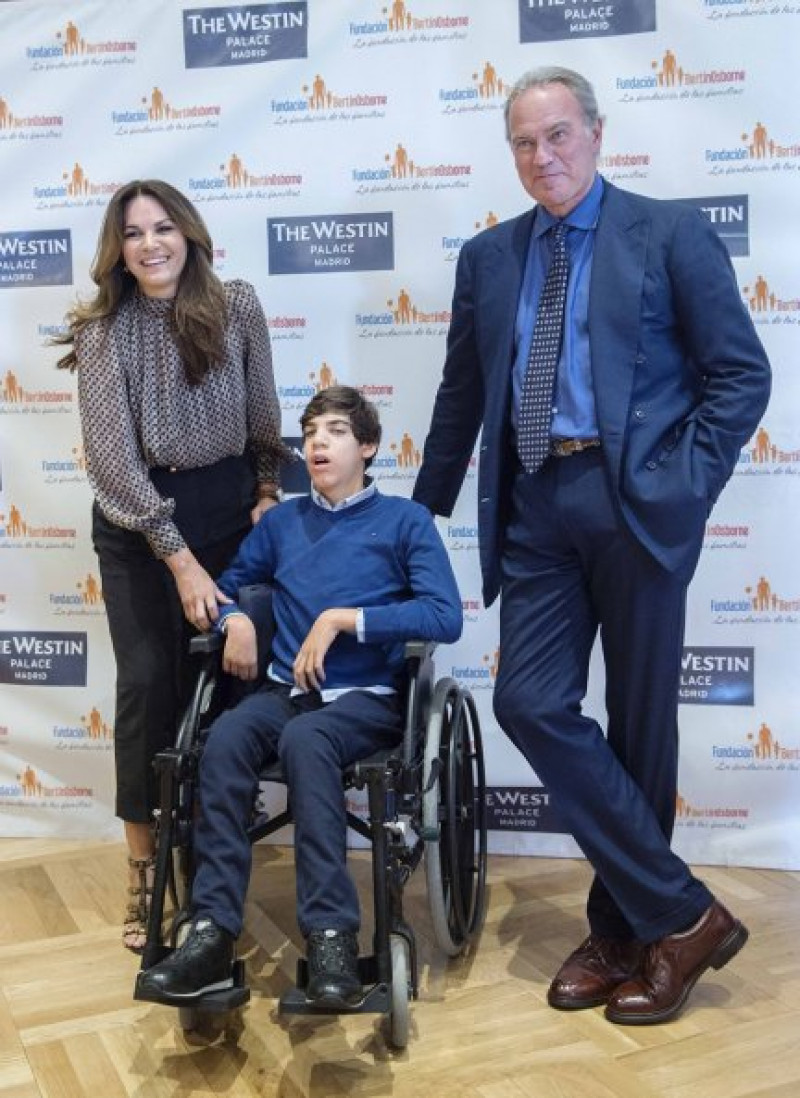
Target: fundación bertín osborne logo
x,y
17,399
39,790
70,48
398,23
764,456
672,78
760,604
18,532
402,171
760,151
17,125
404,316
319,102
92,733
768,304
764,749
486,91
237,179
156,113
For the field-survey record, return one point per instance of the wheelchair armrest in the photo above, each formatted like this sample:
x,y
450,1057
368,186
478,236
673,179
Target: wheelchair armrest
x,y
256,601
206,643
419,650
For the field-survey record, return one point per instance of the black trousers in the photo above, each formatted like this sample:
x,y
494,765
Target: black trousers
x,y
150,638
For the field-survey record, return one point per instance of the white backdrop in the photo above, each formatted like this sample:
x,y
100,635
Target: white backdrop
x,y
341,152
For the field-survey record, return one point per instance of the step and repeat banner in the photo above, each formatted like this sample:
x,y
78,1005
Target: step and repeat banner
x,y
341,152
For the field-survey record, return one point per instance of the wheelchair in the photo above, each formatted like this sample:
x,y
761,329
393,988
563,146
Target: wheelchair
x,y
425,802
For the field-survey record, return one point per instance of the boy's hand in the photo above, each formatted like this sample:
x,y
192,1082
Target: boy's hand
x,y
309,673
240,655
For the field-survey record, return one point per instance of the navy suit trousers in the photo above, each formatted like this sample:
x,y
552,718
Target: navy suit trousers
x,y
315,743
571,568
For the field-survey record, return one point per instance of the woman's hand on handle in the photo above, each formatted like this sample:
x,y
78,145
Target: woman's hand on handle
x,y
198,593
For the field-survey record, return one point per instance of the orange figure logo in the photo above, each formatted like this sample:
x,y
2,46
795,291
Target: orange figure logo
x,y
12,390
73,43
92,594
77,184
405,313
30,782
760,144
670,72
326,377
235,174
97,728
399,17
489,83
408,454
16,527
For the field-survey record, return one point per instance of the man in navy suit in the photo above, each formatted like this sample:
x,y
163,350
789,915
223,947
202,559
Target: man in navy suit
x,y
661,380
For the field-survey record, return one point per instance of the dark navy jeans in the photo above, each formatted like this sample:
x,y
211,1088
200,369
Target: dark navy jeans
x,y
315,743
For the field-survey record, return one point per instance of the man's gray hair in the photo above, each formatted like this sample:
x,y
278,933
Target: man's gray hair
x,y
552,74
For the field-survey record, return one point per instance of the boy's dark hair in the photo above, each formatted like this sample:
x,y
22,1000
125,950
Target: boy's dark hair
x,y
361,413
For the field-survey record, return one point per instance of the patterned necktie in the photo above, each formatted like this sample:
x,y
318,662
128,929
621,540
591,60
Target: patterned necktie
x,y
536,402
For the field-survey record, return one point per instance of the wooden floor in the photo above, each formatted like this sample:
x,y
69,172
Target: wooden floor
x,y
480,1029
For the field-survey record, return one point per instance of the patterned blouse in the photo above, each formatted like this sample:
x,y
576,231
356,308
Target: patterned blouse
x,y
139,412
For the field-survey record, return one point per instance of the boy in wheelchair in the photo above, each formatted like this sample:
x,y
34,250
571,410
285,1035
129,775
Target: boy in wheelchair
x,y
355,574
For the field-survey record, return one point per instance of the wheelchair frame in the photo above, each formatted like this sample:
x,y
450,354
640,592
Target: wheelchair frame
x,y
425,798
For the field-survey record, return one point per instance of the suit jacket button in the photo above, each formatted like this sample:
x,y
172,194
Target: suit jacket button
x,y
652,464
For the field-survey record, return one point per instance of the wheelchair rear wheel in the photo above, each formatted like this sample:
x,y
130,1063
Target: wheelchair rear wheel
x,y
454,818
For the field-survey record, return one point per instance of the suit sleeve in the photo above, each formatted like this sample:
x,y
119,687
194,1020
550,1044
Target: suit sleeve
x,y
721,339
459,405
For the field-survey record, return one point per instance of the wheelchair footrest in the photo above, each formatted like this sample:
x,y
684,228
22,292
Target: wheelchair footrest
x,y
377,995
213,1002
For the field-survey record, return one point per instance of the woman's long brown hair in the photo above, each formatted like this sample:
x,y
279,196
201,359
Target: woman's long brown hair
x,y
199,315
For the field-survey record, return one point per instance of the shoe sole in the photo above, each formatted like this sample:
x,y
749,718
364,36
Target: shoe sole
x,y
577,1004
181,998
725,951
334,1002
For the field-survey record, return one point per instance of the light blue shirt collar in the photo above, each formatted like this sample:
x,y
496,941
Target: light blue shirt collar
x,y
584,216
349,501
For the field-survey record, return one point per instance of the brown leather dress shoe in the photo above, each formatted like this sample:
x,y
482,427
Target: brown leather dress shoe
x,y
672,966
590,974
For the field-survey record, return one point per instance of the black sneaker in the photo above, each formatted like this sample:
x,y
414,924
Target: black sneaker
x,y
201,965
333,968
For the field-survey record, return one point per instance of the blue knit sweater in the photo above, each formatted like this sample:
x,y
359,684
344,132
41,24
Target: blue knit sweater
x,y
382,554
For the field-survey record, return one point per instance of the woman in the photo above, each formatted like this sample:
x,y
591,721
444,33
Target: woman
x,y
181,427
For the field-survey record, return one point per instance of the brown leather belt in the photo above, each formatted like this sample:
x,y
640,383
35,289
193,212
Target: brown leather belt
x,y
564,447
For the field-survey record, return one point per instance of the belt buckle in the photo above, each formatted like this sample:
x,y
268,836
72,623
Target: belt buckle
x,y
565,447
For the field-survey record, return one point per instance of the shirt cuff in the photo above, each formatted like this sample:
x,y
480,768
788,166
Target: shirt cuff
x,y
360,626
225,614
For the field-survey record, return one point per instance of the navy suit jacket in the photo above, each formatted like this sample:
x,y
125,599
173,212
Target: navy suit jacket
x,y
680,377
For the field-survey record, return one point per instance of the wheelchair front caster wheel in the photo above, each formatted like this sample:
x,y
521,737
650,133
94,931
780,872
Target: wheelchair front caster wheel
x,y
401,990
